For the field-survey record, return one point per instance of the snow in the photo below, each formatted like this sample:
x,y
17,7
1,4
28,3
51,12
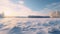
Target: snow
x,y
30,26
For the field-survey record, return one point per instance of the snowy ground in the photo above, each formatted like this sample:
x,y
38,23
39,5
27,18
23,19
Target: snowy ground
x,y
30,26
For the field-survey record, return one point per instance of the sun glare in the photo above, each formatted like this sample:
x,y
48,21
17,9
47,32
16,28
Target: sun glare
x,y
8,13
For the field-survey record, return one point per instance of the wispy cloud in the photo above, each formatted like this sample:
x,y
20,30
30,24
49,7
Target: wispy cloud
x,y
21,1
54,6
51,8
11,9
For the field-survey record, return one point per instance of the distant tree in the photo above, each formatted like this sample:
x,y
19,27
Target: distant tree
x,y
55,14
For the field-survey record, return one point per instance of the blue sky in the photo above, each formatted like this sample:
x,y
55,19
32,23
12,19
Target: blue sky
x,y
37,5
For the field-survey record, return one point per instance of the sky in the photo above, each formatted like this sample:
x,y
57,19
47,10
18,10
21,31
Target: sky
x,y
28,7
40,4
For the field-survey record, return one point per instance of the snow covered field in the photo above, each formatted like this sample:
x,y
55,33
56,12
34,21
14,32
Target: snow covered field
x,y
30,26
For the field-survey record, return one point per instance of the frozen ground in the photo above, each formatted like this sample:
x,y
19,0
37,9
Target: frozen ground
x,y
30,26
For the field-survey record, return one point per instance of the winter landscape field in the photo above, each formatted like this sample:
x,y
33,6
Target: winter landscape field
x,y
29,25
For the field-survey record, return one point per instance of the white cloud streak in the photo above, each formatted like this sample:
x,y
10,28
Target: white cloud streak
x,y
54,6
11,9
51,8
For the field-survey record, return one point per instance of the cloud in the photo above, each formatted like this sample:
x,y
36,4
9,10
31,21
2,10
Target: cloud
x,y
21,2
51,8
11,9
54,6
